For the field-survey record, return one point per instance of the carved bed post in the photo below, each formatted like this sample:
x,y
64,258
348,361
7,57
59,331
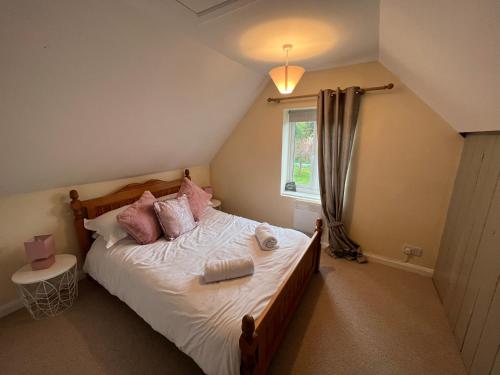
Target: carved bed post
x,y
248,346
186,173
79,215
319,230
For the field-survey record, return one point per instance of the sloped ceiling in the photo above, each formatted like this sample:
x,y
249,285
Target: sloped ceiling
x,y
101,89
211,8
448,53
98,89
200,6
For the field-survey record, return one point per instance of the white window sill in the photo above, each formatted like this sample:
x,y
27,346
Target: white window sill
x,y
306,197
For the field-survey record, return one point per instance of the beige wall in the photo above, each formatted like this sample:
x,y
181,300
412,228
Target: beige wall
x,y
26,215
402,172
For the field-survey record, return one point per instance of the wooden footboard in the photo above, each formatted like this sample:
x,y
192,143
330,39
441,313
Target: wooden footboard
x,y
261,338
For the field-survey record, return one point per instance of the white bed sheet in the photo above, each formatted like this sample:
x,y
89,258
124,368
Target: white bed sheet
x,y
162,282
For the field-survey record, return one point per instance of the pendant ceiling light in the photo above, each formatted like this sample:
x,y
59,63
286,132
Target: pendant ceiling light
x,y
286,77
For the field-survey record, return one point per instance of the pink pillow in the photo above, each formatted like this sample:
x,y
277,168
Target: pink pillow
x,y
175,217
139,220
209,190
198,198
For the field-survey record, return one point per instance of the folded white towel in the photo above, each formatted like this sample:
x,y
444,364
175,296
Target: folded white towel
x,y
217,270
265,237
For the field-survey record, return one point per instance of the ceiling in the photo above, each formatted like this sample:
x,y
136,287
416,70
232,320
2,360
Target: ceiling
x,y
211,8
200,6
166,81
324,33
448,53
99,90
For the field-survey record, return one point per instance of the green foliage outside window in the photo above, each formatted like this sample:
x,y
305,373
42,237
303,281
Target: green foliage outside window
x,y
303,152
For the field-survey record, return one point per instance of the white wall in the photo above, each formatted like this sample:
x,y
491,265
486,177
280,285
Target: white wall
x,y
100,89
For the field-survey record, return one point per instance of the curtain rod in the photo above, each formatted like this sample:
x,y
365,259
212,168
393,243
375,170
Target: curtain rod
x,y
389,86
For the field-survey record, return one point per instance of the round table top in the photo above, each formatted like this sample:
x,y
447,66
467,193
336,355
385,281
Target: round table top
x,y
26,276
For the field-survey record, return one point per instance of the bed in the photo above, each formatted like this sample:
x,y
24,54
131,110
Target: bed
x,y
227,327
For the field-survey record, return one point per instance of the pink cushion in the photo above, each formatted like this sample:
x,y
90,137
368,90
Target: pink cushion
x,y
209,190
198,198
175,217
139,220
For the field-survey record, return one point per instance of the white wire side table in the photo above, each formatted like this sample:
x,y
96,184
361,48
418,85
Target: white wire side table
x,y
49,292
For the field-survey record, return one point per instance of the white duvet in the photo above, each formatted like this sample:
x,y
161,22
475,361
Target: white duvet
x,y
162,282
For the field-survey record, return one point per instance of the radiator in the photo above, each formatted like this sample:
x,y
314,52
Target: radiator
x,y
305,215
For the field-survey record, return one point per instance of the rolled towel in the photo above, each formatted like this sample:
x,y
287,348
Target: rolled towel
x,y
265,237
217,270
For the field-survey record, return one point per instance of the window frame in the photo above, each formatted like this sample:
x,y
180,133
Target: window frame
x,y
288,157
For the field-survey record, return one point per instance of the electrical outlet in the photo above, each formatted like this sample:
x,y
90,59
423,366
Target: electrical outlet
x,y
412,250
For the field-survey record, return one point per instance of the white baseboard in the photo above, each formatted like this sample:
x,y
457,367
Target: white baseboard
x,y
17,304
10,307
421,270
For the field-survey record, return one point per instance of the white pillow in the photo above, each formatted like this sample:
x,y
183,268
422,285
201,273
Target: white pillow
x,y
107,226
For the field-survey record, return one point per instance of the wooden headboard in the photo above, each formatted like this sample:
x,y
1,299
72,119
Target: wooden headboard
x,y
128,194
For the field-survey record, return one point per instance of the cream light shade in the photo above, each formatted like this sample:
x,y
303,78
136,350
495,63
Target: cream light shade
x,y
286,77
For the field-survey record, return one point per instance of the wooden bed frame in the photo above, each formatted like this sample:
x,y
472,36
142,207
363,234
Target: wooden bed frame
x,y
260,338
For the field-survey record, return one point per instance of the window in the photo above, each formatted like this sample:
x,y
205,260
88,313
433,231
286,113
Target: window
x,y
299,167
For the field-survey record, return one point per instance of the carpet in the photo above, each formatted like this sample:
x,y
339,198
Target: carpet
x,y
353,319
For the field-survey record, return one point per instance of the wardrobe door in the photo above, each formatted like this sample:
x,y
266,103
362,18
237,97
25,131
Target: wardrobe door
x,y
468,268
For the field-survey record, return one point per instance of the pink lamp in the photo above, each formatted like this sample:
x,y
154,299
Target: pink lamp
x,y
40,251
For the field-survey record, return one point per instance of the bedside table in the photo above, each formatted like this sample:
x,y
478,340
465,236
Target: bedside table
x,y
51,291
215,203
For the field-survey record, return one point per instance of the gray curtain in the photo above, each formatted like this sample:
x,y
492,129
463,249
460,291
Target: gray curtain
x,y
337,118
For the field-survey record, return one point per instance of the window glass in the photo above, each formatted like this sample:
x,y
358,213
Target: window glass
x,y
299,154
303,153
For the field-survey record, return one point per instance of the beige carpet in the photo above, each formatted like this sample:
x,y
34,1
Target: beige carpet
x,y
354,319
